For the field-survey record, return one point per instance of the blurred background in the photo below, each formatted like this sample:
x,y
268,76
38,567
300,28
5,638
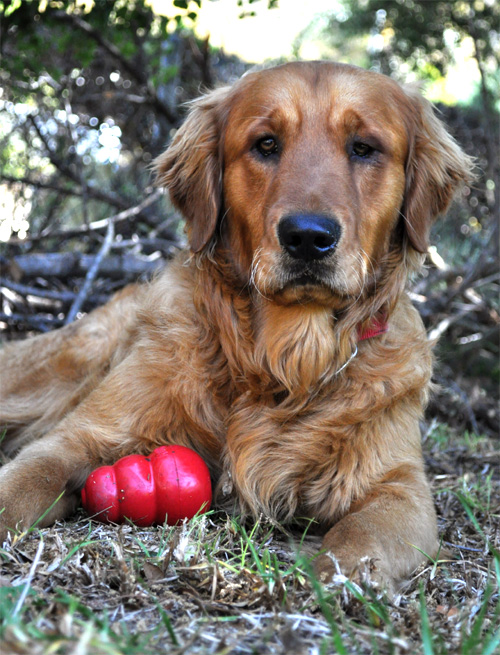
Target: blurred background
x,y
92,91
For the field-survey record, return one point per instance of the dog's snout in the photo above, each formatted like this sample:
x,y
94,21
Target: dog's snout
x,y
308,236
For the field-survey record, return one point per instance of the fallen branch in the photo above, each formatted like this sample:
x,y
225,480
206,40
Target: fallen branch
x,y
451,388
91,274
62,265
38,322
64,297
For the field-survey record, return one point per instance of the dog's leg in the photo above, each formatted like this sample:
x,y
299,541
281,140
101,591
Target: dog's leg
x,y
57,464
50,472
43,378
391,528
44,476
145,401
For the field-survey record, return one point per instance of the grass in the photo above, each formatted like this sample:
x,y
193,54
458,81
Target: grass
x,y
217,585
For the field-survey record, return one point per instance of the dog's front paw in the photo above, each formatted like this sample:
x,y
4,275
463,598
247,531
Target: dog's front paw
x,y
32,491
14,517
358,569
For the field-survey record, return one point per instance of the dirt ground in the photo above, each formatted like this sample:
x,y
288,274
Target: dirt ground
x,y
217,586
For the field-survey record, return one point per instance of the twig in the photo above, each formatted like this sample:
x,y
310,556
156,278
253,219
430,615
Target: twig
x,y
31,574
131,212
89,278
56,161
38,184
476,271
485,280
136,72
41,323
61,296
472,550
81,175
443,325
202,58
167,246
450,385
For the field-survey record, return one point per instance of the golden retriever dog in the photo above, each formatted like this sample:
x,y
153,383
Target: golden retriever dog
x,y
282,347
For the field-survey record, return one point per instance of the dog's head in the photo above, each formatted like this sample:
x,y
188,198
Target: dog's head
x,y
310,174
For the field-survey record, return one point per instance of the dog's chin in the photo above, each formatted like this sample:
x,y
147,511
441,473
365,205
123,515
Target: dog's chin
x,y
306,289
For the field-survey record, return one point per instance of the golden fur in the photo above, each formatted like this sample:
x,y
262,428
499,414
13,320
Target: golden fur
x,y
228,353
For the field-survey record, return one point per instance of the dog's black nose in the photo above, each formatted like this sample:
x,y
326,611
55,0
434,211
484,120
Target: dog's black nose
x,y
308,237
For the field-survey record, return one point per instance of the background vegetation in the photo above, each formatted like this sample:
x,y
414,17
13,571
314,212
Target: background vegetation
x,y
90,93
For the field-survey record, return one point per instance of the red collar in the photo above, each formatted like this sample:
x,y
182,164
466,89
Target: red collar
x,y
377,326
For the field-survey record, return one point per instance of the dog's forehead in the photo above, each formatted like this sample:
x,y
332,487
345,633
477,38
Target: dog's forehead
x,y
314,89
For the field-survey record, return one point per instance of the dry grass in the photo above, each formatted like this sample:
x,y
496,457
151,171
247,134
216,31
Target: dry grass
x,y
216,586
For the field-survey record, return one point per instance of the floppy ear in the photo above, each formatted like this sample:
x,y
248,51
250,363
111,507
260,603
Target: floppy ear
x,y
435,169
191,167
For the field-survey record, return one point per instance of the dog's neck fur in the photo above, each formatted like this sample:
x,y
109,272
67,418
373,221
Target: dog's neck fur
x,y
297,349
295,345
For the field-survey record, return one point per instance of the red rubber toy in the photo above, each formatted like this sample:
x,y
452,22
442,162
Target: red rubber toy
x,y
172,483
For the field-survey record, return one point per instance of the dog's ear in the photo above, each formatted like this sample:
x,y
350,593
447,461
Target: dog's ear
x,y
191,167
435,169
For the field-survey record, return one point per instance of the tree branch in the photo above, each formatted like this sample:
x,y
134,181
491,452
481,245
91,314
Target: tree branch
x,y
91,274
64,297
39,184
58,163
129,66
95,226
39,322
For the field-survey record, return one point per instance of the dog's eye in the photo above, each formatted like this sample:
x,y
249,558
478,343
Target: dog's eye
x,y
362,150
267,146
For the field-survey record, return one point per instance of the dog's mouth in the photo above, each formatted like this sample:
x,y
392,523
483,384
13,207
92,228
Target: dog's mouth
x,y
308,275
307,286
306,279
293,281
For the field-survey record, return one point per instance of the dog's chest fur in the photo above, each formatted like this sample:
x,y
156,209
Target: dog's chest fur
x,y
268,394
